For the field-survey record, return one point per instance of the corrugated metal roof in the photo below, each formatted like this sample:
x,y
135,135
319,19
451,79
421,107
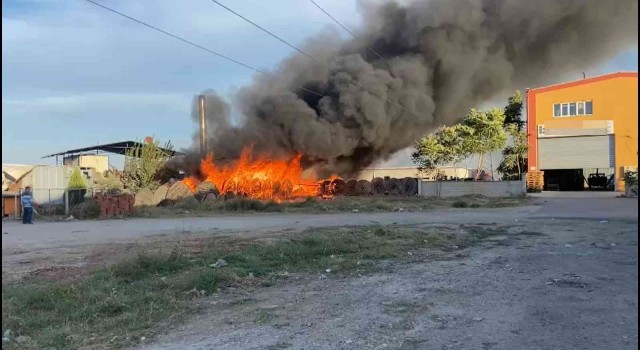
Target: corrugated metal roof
x,y
116,147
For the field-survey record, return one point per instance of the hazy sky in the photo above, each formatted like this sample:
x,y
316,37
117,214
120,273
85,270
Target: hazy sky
x,y
74,75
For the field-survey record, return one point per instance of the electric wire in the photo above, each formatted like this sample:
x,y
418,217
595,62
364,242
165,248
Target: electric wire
x,y
198,46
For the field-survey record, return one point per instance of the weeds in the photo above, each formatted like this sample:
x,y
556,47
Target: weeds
x,y
460,204
311,204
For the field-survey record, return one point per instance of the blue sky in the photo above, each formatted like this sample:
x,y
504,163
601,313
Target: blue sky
x,y
74,75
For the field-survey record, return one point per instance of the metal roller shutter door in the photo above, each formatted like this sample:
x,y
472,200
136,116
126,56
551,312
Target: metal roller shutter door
x,y
576,152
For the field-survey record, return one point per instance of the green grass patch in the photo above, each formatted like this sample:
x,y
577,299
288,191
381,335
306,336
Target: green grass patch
x,y
115,306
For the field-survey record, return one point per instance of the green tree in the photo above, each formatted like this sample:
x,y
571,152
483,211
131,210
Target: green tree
x,y
76,187
429,154
514,157
143,162
445,146
76,181
513,111
486,133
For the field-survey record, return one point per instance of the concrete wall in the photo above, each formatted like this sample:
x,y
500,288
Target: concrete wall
x,y
98,162
49,183
401,172
462,188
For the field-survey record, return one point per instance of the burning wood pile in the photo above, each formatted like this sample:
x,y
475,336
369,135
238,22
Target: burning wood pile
x,y
263,178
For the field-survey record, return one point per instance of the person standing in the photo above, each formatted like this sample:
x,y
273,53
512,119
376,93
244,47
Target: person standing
x,y
27,206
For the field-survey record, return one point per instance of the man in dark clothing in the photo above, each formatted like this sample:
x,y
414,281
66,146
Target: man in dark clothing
x,y
27,206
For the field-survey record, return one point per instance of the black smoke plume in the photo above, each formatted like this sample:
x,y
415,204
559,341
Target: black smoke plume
x,y
441,57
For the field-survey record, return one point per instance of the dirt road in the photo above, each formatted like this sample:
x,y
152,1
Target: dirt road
x,y
62,234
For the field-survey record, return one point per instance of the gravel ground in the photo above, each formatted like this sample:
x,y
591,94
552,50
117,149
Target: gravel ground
x,y
565,276
553,282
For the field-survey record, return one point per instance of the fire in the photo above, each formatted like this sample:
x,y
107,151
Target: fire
x,y
191,182
258,177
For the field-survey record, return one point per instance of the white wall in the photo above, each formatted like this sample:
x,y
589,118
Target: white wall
x,y
462,188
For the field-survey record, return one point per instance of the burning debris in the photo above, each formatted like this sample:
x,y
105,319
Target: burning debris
x,y
439,58
257,177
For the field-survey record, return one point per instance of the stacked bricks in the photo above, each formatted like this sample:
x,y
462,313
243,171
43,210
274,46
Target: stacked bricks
x,y
115,205
535,181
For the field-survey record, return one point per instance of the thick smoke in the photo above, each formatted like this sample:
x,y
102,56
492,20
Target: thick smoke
x,y
441,57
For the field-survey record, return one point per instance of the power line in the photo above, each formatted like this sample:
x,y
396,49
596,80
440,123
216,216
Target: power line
x,y
197,45
262,28
349,31
311,57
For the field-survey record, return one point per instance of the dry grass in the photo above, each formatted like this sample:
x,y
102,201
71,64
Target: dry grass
x,y
318,205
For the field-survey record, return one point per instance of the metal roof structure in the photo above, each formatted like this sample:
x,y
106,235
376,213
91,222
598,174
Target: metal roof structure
x,y
116,147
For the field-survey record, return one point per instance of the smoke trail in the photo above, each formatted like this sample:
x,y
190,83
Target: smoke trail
x,y
444,57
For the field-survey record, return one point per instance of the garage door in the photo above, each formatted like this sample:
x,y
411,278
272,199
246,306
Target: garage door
x,y
576,152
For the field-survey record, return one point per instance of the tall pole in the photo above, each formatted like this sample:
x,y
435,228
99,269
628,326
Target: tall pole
x,y
203,125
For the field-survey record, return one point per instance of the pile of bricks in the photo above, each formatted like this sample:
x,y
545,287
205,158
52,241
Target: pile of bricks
x,y
535,181
115,205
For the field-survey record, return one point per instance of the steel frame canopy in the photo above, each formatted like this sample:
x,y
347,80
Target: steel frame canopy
x,y
116,147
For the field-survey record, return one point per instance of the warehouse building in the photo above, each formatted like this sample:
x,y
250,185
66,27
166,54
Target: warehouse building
x,y
584,134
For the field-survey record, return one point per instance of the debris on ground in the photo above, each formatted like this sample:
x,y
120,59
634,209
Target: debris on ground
x,y
23,339
219,263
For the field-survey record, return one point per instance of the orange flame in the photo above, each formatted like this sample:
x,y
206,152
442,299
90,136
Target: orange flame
x,y
191,182
258,177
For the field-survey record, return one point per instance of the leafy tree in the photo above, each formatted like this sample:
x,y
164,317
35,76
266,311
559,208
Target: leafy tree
x,y
514,157
143,162
109,182
513,111
447,145
429,154
486,133
76,181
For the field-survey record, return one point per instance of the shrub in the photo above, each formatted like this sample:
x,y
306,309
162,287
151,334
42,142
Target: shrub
x,y
109,183
460,204
89,209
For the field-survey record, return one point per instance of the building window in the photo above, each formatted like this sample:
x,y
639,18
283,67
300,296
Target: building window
x,y
556,110
589,108
572,109
580,108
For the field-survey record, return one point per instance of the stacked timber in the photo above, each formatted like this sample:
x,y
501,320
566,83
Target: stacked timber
x,y
535,181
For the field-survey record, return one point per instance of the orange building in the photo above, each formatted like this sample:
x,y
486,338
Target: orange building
x,y
584,134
